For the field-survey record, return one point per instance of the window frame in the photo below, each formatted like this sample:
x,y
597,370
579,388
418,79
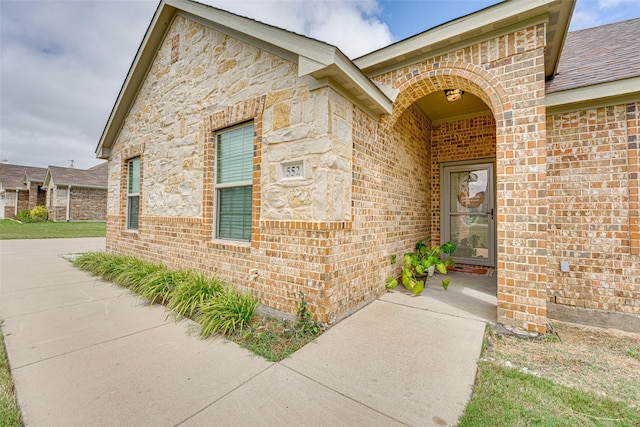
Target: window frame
x,y
244,183
131,195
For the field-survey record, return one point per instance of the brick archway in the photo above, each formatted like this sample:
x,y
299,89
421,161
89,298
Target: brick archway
x,y
443,75
519,143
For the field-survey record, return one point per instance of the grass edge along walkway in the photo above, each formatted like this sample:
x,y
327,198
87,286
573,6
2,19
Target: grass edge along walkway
x,y
10,415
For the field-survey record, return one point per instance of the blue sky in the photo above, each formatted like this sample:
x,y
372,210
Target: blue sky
x,y
62,62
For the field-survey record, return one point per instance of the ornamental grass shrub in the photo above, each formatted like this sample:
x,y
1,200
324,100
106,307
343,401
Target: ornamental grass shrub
x,y
186,293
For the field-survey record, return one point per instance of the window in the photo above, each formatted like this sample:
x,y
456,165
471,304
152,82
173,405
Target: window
x,y
133,193
234,177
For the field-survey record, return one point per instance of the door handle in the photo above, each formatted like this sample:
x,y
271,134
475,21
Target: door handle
x,y
490,213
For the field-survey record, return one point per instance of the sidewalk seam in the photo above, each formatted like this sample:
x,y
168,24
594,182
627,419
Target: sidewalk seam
x,y
437,312
57,308
343,395
15,368
54,286
225,395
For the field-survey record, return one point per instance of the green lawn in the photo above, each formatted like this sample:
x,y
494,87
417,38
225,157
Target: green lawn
x,y
10,415
507,397
50,230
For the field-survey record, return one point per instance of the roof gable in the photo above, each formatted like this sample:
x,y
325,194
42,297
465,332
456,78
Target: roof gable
x,y
324,62
95,177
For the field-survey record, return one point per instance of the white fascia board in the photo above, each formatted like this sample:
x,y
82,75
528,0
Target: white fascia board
x,y
90,187
364,84
355,84
389,92
603,94
476,23
47,178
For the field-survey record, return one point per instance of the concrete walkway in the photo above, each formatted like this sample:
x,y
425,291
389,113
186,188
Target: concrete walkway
x,y
87,353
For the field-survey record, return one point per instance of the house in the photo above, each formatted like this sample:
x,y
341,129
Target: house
x,y
20,189
280,164
76,194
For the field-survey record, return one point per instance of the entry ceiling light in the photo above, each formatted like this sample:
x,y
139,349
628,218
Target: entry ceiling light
x,y
453,94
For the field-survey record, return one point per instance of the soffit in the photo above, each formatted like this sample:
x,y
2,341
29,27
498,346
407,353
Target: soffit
x,y
439,110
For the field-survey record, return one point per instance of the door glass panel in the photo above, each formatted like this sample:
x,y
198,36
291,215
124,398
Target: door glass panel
x,y
468,207
469,191
470,233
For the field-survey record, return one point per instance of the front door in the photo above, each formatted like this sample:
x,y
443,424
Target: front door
x,y
467,207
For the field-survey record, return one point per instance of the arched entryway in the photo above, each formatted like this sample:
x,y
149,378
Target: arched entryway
x,y
516,102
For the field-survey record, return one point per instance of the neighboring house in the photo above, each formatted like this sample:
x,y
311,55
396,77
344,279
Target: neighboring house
x,y
273,160
76,194
20,189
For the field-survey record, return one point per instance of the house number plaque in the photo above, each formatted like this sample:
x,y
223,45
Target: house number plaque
x,y
292,170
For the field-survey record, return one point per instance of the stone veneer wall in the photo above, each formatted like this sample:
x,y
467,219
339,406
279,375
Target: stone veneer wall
x,y
57,202
507,73
203,81
593,176
10,204
468,139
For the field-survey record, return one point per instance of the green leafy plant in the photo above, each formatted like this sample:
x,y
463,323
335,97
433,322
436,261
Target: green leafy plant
x,y
449,248
207,300
37,214
24,216
422,264
156,286
306,324
230,311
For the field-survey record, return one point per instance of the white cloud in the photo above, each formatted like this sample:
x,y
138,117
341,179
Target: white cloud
x,y
610,4
63,63
351,25
592,13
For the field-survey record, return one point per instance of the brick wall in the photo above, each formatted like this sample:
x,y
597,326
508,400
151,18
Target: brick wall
x,y
507,73
23,200
86,204
593,208
37,196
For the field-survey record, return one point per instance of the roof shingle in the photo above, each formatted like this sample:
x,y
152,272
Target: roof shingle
x,y
93,177
598,55
12,176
